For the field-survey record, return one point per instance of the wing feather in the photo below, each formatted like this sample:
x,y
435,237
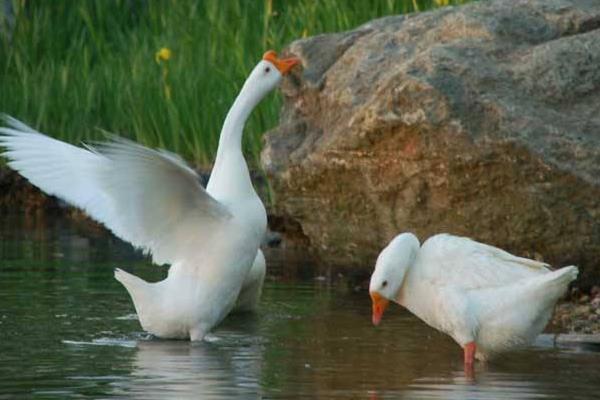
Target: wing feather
x,y
149,198
467,264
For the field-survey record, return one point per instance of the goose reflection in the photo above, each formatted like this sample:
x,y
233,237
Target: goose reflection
x,y
228,365
489,385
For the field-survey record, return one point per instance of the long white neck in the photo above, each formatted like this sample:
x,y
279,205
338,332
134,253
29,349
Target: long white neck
x,y
230,176
406,247
406,293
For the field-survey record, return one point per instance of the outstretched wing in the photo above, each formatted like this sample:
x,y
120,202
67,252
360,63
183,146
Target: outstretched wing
x,y
149,198
467,264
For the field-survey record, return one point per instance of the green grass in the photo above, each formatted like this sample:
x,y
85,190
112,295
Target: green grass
x,y
69,67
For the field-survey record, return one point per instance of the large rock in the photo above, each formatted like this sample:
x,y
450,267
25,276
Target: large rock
x,y
481,120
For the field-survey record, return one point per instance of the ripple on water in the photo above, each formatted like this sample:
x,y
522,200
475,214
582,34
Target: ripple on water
x,y
103,342
128,317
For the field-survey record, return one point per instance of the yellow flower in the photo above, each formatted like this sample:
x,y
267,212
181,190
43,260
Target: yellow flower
x,y
442,3
164,54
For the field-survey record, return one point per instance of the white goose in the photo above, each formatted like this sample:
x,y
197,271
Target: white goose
x,y
153,200
486,299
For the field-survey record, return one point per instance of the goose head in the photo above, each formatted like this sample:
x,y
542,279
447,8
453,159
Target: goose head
x,y
267,74
390,270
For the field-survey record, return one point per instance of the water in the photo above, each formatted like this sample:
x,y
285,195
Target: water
x,y
68,329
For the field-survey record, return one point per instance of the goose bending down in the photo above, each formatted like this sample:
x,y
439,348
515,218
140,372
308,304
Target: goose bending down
x,y
153,200
486,299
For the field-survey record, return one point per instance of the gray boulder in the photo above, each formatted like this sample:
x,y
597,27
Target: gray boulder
x,y
481,120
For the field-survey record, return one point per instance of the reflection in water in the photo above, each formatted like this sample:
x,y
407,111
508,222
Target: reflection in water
x,y
490,385
66,330
178,369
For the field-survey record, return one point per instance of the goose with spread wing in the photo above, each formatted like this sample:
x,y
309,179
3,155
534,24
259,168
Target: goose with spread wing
x,y
485,298
153,200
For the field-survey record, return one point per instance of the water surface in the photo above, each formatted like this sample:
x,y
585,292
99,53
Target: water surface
x,y
68,329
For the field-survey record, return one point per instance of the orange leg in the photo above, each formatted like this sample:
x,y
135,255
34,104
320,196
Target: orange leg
x,y
469,350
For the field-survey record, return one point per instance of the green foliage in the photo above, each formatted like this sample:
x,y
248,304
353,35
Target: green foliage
x,y
71,66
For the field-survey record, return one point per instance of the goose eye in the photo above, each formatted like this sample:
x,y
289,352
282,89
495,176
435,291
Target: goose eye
x,y
267,70
384,284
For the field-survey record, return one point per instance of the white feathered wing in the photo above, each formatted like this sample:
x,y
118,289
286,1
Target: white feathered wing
x,y
147,197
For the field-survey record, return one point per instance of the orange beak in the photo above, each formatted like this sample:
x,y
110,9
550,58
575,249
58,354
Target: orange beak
x,y
284,65
380,303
